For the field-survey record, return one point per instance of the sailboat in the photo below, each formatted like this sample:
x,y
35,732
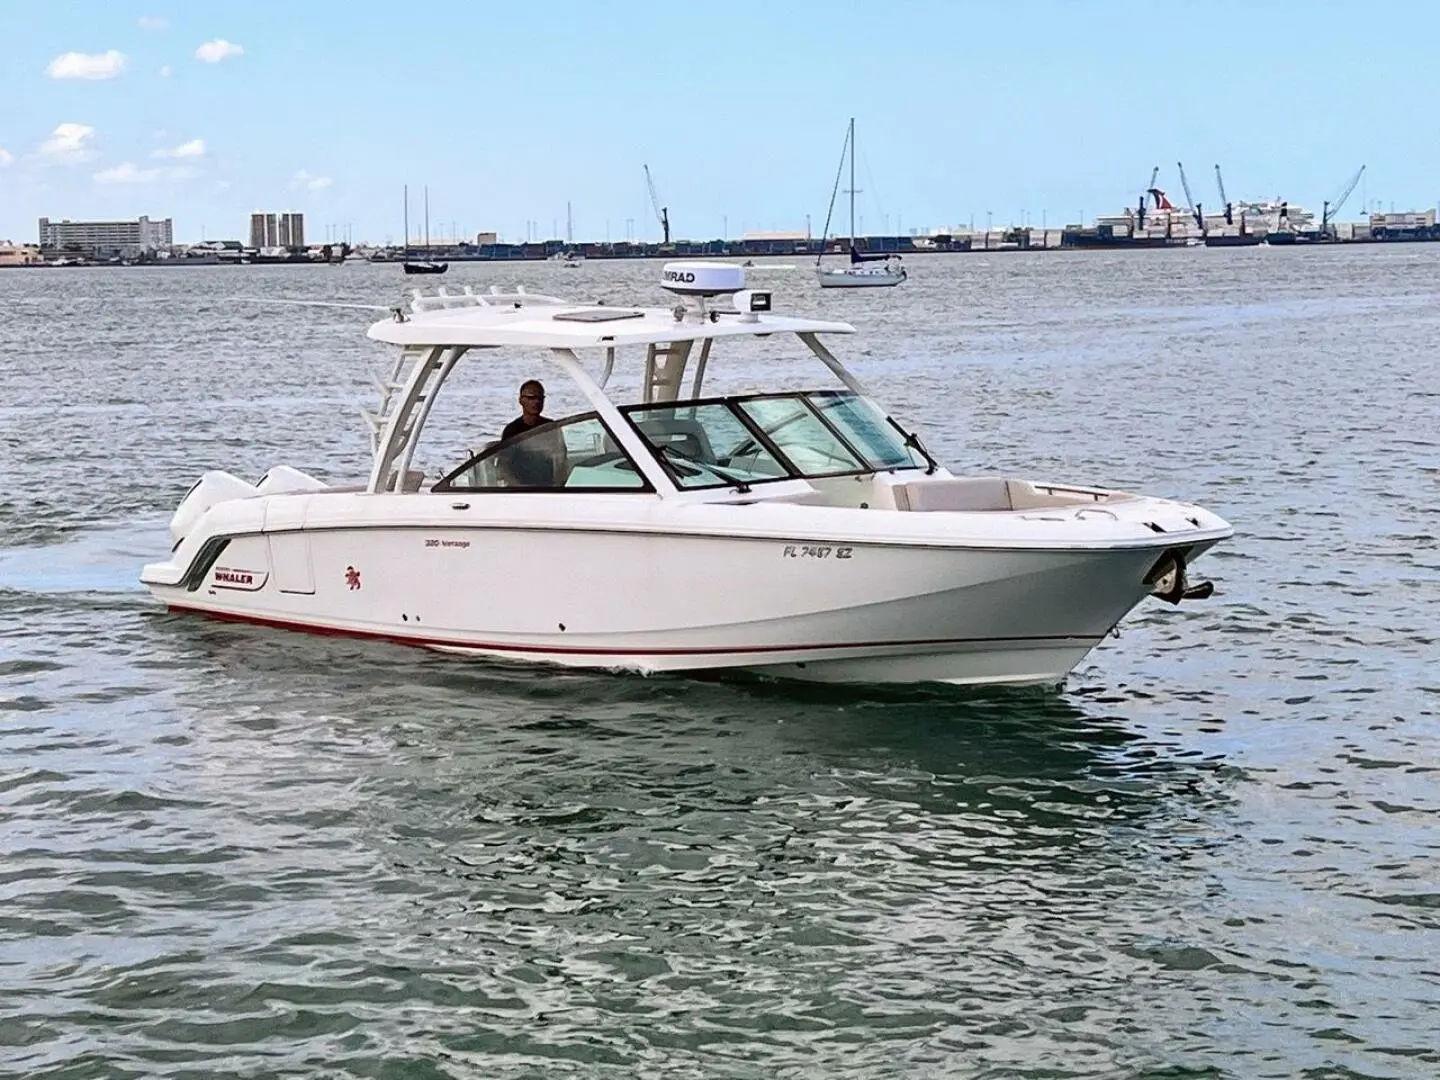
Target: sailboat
x,y
425,266
886,269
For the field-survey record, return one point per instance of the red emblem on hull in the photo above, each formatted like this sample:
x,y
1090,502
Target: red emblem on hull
x,y
352,577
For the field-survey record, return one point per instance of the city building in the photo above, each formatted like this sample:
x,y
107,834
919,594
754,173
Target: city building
x,y
483,238
12,254
1408,225
283,230
107,237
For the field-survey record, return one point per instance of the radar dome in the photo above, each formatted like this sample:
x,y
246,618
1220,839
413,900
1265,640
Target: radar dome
x,y
699,278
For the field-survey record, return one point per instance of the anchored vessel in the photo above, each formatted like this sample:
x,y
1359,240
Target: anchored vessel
x,y
420,266
799,533
864,271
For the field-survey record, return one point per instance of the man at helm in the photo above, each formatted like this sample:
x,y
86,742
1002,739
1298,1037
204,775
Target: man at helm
x,y
538,461
532,400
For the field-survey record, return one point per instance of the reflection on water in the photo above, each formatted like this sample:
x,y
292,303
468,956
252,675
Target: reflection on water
x,y
231,850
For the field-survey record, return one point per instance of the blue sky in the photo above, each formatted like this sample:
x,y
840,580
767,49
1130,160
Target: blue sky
x,y
507,111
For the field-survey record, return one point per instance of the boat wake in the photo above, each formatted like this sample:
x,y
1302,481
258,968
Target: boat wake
x,y
98,561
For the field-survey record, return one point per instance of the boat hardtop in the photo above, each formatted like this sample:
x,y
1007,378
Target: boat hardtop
x,y
496,320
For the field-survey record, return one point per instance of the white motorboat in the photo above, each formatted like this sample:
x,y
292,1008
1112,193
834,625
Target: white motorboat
x,y
866,271
804,534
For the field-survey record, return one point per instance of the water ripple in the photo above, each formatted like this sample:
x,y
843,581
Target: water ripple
x,y
227,851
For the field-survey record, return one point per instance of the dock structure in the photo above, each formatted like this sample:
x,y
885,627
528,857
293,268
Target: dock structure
x,y
1106,233
1249,224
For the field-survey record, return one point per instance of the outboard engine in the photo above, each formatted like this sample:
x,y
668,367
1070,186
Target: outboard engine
x,y
283,480
217,487
213,487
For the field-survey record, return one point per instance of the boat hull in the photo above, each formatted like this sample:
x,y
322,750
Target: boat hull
x,y
649,602
859,279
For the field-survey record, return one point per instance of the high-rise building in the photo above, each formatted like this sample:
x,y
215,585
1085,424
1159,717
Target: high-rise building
x,y
260,226
292,230
106,237
284,230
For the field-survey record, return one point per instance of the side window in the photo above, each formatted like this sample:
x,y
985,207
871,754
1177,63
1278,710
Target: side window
x,y
594,460
571,455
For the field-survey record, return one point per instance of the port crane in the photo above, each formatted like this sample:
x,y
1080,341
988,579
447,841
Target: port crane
x,y
662,213
1332,206
1195,210
1149,189
1229,208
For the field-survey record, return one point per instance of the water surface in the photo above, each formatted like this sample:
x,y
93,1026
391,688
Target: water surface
x,y
227,850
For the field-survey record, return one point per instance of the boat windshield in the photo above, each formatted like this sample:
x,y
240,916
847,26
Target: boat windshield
x,y
746,440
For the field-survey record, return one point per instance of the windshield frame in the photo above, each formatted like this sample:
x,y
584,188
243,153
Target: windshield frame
x,y
792,472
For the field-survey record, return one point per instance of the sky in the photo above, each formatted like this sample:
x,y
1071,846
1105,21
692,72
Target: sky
x,y
1023,111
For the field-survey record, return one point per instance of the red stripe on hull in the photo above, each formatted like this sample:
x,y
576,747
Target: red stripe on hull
x,y
584,650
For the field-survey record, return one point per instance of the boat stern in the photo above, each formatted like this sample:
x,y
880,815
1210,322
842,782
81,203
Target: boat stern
x,y
218,507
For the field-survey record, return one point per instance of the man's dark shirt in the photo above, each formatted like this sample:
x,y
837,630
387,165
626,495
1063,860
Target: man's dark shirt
x,y
530,464
519,427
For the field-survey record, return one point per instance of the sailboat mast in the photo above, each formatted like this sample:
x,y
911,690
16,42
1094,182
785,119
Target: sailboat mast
x,y
427,215
852,183
407,221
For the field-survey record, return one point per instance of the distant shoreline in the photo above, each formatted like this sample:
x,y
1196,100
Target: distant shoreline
x,y
993,242
718,250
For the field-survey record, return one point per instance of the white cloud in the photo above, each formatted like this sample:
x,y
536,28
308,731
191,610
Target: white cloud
x,y
310,182
212,52
152,22
166,71
69,142
127,172
76,65
194,148
6,158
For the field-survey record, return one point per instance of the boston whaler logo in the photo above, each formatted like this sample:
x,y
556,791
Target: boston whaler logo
x,y
232,577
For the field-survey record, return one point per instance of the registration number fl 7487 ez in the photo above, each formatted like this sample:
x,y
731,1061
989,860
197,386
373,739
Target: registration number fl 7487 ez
x,y
817,551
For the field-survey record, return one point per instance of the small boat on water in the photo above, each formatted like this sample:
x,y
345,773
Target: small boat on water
x,y
806,534
1239,239
1285,237
861,277
420,266
866,271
